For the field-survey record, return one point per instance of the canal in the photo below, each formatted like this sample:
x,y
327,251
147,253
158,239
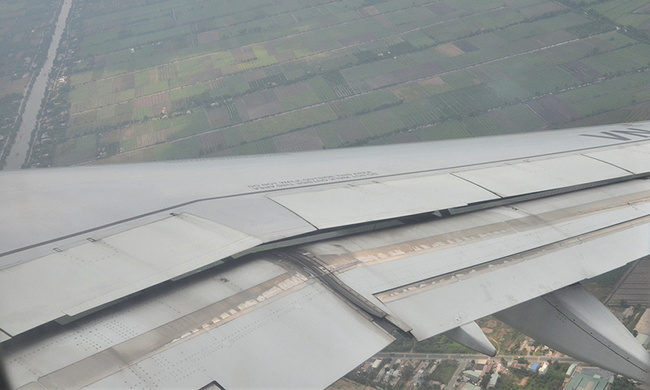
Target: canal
x,y
20,149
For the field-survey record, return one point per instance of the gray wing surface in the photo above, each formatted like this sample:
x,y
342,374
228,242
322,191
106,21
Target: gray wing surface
x,y
287,270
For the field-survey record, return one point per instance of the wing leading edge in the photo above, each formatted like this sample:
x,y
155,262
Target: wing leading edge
x,y
458,241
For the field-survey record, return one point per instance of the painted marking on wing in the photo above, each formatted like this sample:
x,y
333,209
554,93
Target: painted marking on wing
x,y
621,135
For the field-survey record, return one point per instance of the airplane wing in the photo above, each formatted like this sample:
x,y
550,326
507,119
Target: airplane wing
x,y
288,270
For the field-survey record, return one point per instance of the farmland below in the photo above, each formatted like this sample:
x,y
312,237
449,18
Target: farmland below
x,y
156,80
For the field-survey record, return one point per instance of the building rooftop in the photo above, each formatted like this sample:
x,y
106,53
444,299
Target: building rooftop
x,y
469,386
583,381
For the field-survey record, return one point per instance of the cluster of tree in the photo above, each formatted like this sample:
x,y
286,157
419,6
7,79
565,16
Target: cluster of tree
x,y
551,380
621,383
444,372
9,123
24,26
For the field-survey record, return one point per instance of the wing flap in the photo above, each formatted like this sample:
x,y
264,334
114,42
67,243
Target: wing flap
x,y
382,200
505,255
81,278
295,342
512,280
261,324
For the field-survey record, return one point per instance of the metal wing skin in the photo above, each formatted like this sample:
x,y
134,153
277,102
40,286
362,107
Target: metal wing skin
x,y
288,270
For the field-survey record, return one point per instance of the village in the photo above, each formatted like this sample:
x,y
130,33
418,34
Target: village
x,y
470,373
524,364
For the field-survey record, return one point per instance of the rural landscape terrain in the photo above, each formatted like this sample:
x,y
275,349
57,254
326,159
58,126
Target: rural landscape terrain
x,y
155,80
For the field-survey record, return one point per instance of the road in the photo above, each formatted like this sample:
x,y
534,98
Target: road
x,y
452,356
464,358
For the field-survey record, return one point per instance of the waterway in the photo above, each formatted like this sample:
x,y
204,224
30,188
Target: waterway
x,y
20,149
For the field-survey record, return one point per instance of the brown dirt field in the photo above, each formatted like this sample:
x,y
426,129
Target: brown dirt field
x,y
157,101
255,75
449,50
212,142
207,36
124,82
125,133
432,81
399,94
384,21
152,138
218,117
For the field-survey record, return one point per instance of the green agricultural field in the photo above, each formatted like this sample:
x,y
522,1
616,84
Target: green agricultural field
x,y
626,12
82,148
182,79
